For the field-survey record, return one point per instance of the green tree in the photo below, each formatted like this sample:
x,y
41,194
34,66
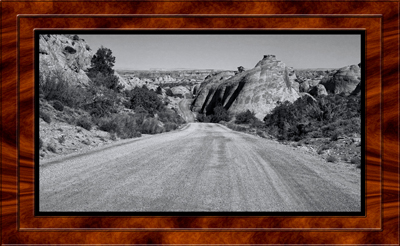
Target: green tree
x,y
103,62
102,72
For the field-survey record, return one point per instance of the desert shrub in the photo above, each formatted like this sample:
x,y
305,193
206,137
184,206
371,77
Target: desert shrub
x,y
245,117
103,101
220,114
151,126
159,90
108,125
331,158
171,116
169,126
236,127
308,118
203,118
40,143
61,139
261,134
84,123
113,136
148,100
316,134
124,126
169,93
45,117
109,81
56,87
256,123
127,126
335,136
58,105
355,160
52,148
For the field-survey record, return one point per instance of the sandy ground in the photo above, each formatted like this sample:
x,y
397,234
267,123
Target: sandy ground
x,y
202,167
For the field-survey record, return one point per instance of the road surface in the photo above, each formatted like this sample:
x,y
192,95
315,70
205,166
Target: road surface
x,y
202,167
184,108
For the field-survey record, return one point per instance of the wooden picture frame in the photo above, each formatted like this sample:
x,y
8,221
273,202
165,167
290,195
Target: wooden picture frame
x,y
380,20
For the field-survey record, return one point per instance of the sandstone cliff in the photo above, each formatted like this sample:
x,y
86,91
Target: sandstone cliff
x,y
67,55
258,89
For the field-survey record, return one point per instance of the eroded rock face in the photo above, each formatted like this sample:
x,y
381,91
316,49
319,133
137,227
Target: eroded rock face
x,y
67,55
344,80
203,91
258,89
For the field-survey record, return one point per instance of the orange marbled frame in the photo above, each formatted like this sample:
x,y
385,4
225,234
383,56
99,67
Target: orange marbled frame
x,y
186,229
235,222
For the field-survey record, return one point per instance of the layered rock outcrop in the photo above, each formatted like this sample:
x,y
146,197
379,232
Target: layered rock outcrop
x,y
65,55
258,89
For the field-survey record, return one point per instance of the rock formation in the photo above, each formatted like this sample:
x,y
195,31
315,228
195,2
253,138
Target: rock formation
x,y
318,90
344,80
180,90
258,89
67,55
202,93
304,87
357,90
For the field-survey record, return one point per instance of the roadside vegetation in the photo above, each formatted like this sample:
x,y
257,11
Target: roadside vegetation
x,y
103,104
329,126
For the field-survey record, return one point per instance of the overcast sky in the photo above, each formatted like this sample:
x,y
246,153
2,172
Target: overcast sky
x,y
228,51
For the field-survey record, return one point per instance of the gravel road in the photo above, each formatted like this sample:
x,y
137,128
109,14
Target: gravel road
x,y
202,167
184,108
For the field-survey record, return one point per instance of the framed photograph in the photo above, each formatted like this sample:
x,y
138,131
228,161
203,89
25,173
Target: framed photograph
x,y
200,123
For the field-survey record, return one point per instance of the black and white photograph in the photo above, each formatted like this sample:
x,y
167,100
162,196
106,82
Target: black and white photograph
x,y
206,122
